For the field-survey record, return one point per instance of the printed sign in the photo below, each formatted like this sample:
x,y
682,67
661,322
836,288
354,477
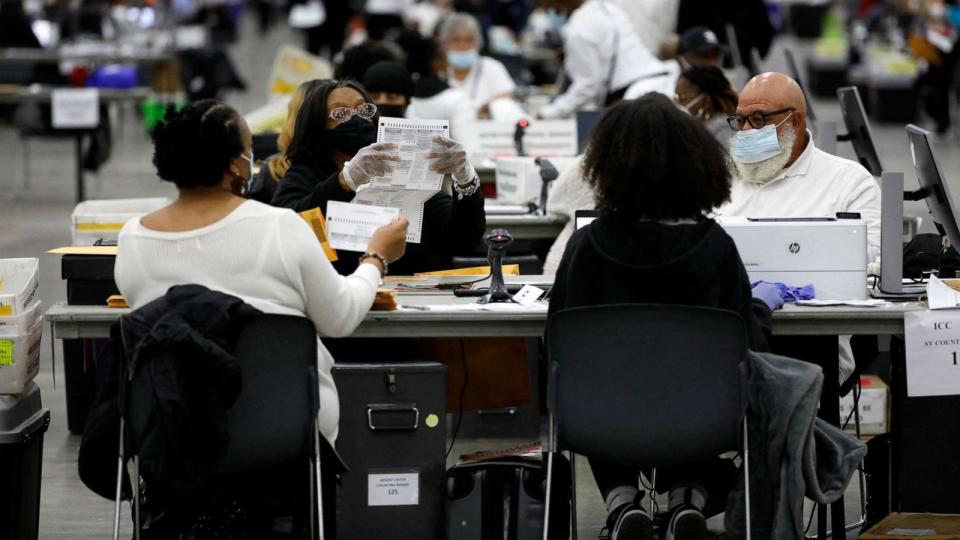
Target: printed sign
x,y
933,353
75,108
394,489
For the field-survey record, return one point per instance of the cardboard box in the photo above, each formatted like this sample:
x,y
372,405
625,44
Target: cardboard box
x,y
913,526
874,407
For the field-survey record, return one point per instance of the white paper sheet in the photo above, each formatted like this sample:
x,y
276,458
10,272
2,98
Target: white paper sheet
x,y
350,226
932,346
940,295
414,140
408,202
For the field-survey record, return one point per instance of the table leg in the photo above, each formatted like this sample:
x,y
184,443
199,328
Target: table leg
x,y
80,181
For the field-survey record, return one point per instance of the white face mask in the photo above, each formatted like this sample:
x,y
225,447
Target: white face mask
x,y
756,145
690,104
764,171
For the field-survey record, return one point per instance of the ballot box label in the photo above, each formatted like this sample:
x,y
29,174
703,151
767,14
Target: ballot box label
x,y
75,108
932,341
393,489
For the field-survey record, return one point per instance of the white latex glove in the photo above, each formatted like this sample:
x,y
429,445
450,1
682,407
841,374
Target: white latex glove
x,y
450,157
370,161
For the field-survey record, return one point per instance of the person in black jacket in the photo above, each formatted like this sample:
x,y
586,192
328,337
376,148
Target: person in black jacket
x,y
656,172
333,152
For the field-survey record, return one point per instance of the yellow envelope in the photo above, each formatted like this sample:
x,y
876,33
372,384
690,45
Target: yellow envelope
x,y
85,250
508,270
117,301
318,223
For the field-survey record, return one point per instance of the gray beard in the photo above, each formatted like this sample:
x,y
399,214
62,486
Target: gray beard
x,y
765,171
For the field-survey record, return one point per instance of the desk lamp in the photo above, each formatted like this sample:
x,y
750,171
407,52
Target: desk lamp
x,y
548,173
497,242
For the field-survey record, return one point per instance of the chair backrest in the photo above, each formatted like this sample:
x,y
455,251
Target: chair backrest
x,y
271,420
647,385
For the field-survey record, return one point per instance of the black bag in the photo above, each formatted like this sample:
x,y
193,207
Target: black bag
x,y
925,253
503,499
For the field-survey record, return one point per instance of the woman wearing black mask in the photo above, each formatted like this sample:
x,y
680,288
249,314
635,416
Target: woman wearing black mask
x,y
333,152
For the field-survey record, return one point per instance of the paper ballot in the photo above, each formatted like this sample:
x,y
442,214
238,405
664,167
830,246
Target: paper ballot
x,y
350,226
414,140
411,182
408,202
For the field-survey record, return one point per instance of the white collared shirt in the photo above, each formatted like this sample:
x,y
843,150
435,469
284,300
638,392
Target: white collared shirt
x,y
817,184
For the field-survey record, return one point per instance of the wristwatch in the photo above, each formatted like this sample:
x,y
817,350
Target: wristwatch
x,y
377,256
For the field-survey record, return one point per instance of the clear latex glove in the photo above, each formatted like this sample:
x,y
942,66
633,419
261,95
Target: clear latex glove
x,y
371,161
450,157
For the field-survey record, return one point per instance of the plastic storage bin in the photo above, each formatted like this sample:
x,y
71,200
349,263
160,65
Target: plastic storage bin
x,y
20,351
23,421
19,282
102,219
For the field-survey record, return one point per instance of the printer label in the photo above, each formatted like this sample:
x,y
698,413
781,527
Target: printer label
x,y
393,489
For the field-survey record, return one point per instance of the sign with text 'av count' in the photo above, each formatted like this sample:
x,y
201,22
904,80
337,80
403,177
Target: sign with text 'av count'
x,y
933,353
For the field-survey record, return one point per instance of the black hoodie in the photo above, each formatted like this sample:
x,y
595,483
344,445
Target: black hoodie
x,y
609,262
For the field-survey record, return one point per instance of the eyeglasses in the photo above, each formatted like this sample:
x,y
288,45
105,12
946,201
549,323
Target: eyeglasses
x,y
342,114
756,119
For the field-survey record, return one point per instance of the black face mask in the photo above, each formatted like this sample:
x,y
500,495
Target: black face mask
x,y
392,111
350,136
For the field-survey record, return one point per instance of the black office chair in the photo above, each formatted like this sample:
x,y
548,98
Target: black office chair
x,y
675,375
274,419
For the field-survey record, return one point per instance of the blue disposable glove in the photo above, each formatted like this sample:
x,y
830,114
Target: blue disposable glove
x,y
769,293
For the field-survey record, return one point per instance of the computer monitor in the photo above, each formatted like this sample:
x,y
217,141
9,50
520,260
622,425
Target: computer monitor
x,y
582,218
858,129
794,73
586,120
933,186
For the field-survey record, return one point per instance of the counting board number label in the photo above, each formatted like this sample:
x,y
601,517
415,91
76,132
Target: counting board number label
x,y
393,489
75,108
932,341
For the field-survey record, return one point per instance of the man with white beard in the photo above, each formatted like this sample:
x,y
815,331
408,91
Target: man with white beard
x,y
780,173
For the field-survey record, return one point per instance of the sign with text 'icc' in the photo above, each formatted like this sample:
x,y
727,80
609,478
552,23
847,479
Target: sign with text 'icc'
x,y
933,353
75,108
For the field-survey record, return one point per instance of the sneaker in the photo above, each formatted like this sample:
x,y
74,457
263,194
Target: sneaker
x,y
630,522
686,523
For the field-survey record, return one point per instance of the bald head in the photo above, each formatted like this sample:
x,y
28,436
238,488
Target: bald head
x,y
769,92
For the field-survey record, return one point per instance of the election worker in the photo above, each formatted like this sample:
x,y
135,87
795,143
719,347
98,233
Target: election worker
x,y
213,236
334,152
652,243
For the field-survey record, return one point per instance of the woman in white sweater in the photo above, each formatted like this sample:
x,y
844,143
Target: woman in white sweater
x,y
266,256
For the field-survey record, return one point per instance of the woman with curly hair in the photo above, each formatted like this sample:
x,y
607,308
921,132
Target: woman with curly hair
x,y
656,174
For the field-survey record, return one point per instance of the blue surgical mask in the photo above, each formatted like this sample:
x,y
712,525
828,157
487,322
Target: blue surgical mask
x,y
756,145
462,59
557,19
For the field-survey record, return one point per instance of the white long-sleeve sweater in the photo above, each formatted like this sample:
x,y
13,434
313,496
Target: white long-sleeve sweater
x,y
269,258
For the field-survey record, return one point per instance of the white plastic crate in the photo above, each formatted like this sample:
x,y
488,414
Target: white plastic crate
x,y
19,282
19,358
21,324
102,219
